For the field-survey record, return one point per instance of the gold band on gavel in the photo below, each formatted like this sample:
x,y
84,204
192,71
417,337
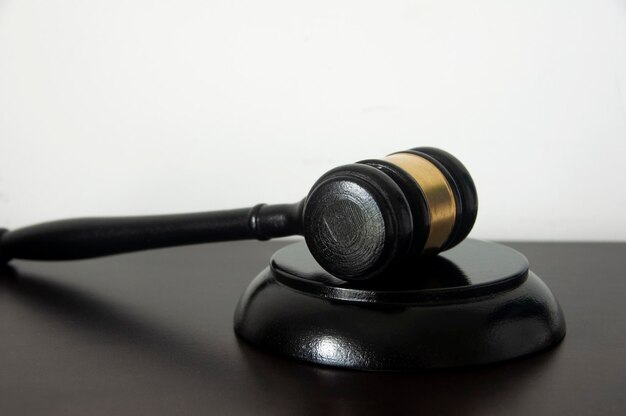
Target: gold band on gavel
x,y
437,192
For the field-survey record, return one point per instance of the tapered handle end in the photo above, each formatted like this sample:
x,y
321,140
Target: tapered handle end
x,y
4,259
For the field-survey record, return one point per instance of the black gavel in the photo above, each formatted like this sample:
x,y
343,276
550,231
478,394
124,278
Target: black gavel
x,y
359,220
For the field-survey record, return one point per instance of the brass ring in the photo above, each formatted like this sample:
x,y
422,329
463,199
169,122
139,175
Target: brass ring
x,y
437,192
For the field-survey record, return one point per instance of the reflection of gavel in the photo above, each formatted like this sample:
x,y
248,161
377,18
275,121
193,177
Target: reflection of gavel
x,y
358,220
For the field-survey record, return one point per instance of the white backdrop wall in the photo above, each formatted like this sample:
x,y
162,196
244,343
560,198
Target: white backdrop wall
x,y
146,107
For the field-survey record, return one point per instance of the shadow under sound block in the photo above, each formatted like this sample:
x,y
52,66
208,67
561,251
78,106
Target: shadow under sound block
x,y
477,303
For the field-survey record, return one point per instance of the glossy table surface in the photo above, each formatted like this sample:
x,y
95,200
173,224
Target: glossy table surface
x,y
151,333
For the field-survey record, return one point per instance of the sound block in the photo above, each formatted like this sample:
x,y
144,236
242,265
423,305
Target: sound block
x,y
477,303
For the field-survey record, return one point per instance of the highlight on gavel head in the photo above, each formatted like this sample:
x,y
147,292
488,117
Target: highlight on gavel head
x,y
364,219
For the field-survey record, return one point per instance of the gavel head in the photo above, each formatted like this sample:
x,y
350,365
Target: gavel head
x,y
364,219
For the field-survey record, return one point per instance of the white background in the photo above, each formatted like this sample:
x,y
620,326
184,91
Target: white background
x,y
142,107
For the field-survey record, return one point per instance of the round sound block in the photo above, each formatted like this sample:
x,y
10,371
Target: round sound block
x,y
477,303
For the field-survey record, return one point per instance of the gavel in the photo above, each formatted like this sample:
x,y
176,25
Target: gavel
x,y
359,220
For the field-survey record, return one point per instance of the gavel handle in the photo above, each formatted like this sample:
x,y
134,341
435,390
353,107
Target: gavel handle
x,y
94,237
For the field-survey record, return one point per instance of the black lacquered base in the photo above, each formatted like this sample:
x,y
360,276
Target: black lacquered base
x,y
477,303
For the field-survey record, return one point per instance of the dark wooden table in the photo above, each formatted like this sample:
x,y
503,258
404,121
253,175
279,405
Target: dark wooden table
x,y
151,334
